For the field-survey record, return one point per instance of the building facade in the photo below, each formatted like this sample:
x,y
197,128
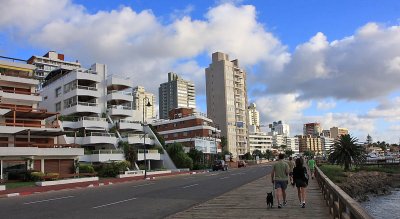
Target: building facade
x,y
292,143
327,145
27,140
260,141
336,132
97,112
140,95
193,130
227,101
254,116
313,129
310,143
280,128
49,62
176,93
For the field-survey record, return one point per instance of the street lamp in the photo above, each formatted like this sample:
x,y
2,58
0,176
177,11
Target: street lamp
x,y
144,136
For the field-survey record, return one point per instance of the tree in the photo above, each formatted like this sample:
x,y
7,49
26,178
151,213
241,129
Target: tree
x,y
289,152
346,152
247,156
369,140
268,154
283,147
224,142
197,157
308,153
178,156
130,152
257,153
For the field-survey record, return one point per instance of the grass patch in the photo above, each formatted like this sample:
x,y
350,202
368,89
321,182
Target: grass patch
x,y
385,169
333,172
13,185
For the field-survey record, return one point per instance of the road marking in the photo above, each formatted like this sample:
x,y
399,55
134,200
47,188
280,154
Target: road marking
x,y
188,178
114,203
47,200
224,177
190,186
214,174
143,185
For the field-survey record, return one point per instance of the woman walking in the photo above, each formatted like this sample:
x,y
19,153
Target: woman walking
x,y
301,181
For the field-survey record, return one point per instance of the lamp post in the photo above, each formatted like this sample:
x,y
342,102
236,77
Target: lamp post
x,y
144,136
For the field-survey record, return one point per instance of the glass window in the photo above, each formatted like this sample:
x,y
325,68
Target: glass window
x,y
58,91
58,106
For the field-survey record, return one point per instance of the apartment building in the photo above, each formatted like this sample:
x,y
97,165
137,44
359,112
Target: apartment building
x,y
27,141
227,101
176,93
336,132
310,143
49,62
254,116
313,129
260,141
140,99
292,143
193,130
97,111
327,144
280,128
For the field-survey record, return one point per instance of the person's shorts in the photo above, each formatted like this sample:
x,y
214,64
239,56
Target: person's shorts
x,y
300,183
281,184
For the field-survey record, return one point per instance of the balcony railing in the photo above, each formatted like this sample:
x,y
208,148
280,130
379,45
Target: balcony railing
x,y
119,107
13,91
105,151
87,71
129,93
87,88
29,124
150,151
129,121
38,145
101,134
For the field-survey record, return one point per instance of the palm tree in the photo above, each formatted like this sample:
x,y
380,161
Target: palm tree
x,y
129,152
346,152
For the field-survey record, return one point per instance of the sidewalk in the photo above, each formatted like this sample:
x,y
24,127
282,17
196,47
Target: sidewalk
x,y
248,201
102,182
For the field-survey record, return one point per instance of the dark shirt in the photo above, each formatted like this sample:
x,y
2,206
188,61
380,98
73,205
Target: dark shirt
x,y
298,173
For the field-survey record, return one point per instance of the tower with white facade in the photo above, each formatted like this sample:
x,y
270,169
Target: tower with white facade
x,y
254,116
280,128
140,95
176,93
227,101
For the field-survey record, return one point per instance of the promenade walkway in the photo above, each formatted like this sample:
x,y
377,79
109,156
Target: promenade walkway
x,y
248,201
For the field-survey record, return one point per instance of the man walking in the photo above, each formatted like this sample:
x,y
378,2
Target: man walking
x,y
279,177
311,165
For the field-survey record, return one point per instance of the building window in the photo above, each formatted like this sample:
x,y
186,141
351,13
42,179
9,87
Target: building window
x,y
175,135
58,91
185,134
58,107
165,136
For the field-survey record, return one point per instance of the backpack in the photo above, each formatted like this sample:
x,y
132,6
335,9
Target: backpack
x,y
306,177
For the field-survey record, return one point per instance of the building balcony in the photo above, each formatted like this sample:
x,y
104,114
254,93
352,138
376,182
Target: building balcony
x,y
20,79
119,97
116,83
94,138
86,122
36,151
15,96
85,91
150,155
137,139
118,110
82,107
124,124
100,156
85,74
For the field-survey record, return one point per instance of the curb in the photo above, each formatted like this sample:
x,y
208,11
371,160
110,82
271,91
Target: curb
x,y
92,185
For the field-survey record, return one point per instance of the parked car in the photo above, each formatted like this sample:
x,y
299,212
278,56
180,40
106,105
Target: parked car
x,y
242,163
219,165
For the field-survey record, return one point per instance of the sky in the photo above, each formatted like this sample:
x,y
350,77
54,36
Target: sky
x,y
336,62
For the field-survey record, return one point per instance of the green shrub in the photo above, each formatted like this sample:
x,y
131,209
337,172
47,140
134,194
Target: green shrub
x,y
86,168
112,169
53,176
36,176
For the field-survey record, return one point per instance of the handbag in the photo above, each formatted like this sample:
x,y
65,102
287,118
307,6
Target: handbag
x,y
306,176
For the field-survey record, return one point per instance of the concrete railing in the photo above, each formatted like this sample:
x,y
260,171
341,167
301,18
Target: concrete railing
x,y
340,204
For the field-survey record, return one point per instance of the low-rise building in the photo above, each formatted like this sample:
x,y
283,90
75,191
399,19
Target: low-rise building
x,y
193,130
310,143
27,141
336,132
260,141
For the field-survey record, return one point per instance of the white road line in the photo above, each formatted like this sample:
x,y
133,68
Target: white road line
x,y
224,177
214,174
143,185
114,203
47,200
188,178
190,186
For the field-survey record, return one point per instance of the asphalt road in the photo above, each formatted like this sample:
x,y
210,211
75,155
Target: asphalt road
x,y
139,199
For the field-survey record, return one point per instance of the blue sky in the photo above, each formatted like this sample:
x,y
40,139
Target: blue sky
x,y
333,62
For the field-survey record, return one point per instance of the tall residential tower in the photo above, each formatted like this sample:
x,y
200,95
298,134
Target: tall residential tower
x,y
227,101
176,93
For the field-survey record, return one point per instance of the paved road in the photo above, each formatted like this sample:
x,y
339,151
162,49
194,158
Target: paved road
x,y
141,199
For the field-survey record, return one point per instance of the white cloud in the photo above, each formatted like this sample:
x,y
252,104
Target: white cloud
x,y
137,44
360,67
326,105
388,109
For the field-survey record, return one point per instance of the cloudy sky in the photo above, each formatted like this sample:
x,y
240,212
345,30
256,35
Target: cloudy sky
x,y
336,62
